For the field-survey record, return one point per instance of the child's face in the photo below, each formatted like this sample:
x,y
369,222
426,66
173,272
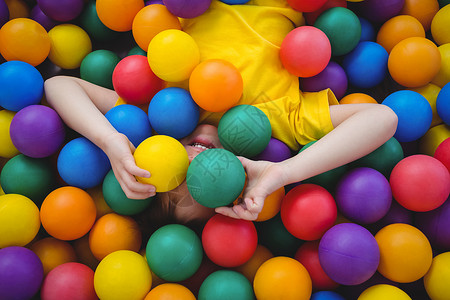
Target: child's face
x,y
202,138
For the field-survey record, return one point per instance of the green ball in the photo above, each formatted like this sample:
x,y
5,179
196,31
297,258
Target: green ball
x,y
118,201
90,22
31,177
226,284
215,178
98,66
136,50
245,130
174,252
342,28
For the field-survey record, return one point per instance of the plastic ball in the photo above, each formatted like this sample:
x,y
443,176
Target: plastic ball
x,y
326,295
231,2
383,291
367,58
443,104
357,98
178,63
215,178
405,253
249,141
367,30
18,9
397,29
113,232
39,16
68,213
170,291
82,164
414,114
333,77
123,274
100,204
134,81
306,5
97,67
90,22
226,284
62,11
229,242
151,20
69,280
305,51
37,131
7,148
4,13
411,178
379,11
282,278
311,17
25,40
436,278
363,195
431,92
70,44
443,76
434,224
187,9
422,10
272,205
276,151
31,177
53,252
173,112
118,15
433,137
21,273
19,220
414,61
131,121
342,28
442,153
21,85
349,254
174,252
308,211
250,268
165,158
216,85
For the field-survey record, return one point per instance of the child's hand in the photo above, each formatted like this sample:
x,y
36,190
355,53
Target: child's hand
x,y
263,179
120,153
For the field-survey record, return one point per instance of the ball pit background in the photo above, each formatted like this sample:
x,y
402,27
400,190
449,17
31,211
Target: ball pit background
x,y
34,47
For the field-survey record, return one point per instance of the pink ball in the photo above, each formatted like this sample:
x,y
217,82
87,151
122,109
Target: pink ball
x,y
442,153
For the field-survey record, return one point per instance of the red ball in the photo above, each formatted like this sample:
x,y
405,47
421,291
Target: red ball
x,y
306,5
69,281
308,256
229,242
307,211
134,80
442,153
420,183
305,51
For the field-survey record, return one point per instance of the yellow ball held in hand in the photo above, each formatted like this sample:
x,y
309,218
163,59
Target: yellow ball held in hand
x,y
165,158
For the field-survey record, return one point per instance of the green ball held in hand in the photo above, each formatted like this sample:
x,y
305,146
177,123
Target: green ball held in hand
x,y
215,178
245,130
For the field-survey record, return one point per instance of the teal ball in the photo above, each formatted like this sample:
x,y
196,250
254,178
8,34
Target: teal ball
x,y
98,66
226,284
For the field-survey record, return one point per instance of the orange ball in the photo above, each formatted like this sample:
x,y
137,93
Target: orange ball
x,y
422,10
397,29
84,253
216,85
118,15
414,62
53,252
272,205
150,21
357,98
250,268
24,39
114,232
17,9
68,213
170,291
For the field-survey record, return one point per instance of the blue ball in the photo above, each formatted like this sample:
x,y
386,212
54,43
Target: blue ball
x,y
326,295
367,30
414,114
21,85
443,103
131,121
173,112
82,164
366,65
235,1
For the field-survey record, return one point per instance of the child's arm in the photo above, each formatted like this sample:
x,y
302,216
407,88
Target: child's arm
x,y
359,130
82,106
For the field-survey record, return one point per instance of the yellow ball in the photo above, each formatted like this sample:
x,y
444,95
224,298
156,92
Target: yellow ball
x,y
385,292
440,26
170,291
172,55
19,220
437,279
7,148
69,45
443,76
430,92
432,138
123,274
165,158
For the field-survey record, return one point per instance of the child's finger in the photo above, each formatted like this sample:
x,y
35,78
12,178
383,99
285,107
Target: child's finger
x,y
227,211
131,168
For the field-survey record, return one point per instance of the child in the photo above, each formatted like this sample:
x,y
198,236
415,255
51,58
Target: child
x,y
248,36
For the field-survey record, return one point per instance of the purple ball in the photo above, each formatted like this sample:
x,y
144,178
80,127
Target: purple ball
x,y
61,10
38,15
363,195
333,77
380,10
4,13
435,225
349,254
187,8
37,131
275,151
21,273
154,2
396,214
